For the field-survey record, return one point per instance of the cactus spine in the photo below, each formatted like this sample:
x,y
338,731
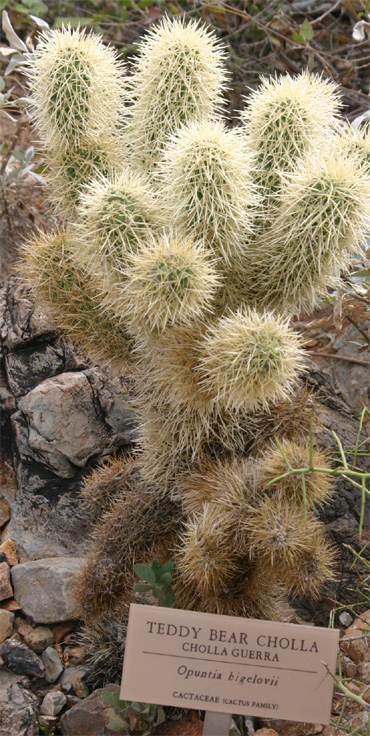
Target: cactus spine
x,y
177,258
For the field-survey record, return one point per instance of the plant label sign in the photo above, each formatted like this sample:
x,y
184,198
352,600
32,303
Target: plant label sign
x,y
228,664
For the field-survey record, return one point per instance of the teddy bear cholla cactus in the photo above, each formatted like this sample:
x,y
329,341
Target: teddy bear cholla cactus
x,y
174,264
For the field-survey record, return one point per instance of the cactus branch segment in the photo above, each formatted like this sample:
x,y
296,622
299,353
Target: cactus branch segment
x,y
179,77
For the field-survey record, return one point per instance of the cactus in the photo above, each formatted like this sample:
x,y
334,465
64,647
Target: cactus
x,y
78,88
285,119
115,215
321,218
207,184
297,454
188,253
70,169
52,265
353,142
170,282
78,95
249,360
178,77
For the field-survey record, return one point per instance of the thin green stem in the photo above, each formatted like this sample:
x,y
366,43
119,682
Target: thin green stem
x,y
341,450
311,441
346,471
283,454
304,491
363,502
364,411
358,555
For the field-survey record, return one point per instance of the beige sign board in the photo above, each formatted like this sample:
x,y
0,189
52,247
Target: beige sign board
x,y
229,664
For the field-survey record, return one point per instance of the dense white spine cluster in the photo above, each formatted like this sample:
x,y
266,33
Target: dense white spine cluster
x,y
179,76
78,88
207,186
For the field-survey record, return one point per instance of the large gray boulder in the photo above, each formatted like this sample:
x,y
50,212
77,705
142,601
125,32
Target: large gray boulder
x,y
43,588
62,427
47,520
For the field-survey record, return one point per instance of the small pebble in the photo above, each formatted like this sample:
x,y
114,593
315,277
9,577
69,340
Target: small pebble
x,y
52,663
53,703
6,590
39,638
8,549
345,618
6,624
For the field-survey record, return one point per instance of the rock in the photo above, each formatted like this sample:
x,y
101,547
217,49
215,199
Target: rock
x,y
67,419
345,618
21,320
43,588
6,590
354,643
266,732
52,704
17,706
8,549
64,429
72,679
6,624
26,368
75,655
87,717
19,658
352,379
39,638
363,671
355,689
52,663
4,512
72,700
22,627
359,720
349,668
7,401
51,524
111,392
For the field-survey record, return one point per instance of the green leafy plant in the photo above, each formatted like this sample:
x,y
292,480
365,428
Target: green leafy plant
x,y
157,580
305,34
142,717
131,717
32,7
